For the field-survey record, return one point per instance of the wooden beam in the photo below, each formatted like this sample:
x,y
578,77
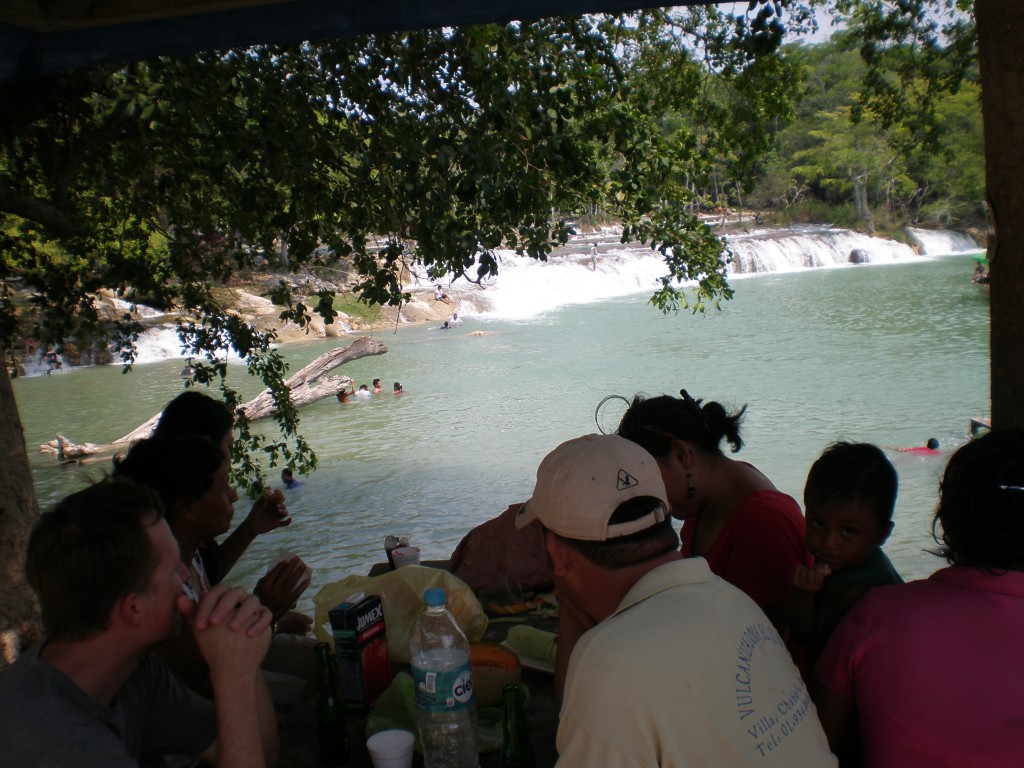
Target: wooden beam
x,y
1001,61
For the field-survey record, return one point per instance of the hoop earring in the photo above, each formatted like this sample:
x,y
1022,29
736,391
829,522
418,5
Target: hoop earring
x,y
690,490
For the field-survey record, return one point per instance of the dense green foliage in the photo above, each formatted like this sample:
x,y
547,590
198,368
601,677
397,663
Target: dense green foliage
x,y
423,151
886,130
426,152
836,160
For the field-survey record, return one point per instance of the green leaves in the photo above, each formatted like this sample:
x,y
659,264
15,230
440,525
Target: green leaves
x,y
916,52
425,152
912,171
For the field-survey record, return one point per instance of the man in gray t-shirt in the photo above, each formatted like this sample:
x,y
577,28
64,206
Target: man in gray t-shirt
x,y
109,578
153,713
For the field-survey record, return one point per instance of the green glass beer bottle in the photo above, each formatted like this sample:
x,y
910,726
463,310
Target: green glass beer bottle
x,y
331,735
515,750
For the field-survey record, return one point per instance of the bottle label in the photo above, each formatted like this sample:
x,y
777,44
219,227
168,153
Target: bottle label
x,y
443,692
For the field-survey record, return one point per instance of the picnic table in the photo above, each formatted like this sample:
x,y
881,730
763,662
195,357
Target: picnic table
x,y
298,737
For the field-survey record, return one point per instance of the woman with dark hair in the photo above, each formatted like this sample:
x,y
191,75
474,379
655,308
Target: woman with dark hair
x,y
751,534
923,673
191,476
193,413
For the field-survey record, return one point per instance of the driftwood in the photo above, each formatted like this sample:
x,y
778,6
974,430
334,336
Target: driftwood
x,y
307,386
64,449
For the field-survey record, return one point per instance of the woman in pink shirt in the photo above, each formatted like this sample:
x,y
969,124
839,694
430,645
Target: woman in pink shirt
x,y
928,673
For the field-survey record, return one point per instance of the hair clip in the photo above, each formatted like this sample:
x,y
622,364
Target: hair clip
x,y
657,430
698,410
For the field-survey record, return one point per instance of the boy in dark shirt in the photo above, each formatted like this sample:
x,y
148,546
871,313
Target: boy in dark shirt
x,y
848,502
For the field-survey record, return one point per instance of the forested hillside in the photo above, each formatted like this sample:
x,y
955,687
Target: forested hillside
x,y
833,162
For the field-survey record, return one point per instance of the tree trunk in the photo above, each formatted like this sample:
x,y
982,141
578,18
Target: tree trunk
x,y
1001,60
307,386
19,612
860,202
282,254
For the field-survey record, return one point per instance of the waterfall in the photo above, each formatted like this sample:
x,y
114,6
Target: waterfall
x,y
526,288
934,242
796,248
159,342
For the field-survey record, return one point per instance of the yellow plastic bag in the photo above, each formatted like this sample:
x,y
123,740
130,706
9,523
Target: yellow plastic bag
x,y
401,593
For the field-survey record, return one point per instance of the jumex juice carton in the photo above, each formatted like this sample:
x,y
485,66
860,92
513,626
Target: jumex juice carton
x,y
361,648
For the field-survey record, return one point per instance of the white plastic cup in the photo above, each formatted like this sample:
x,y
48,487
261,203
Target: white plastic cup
x,y
391,749
406,556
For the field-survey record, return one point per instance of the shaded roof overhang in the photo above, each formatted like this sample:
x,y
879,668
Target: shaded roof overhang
x,y
40,37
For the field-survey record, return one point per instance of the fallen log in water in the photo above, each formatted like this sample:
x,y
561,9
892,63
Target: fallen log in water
x,y
64,449
307,386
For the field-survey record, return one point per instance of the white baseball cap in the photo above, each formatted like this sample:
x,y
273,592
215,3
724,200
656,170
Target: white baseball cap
x,y
583,481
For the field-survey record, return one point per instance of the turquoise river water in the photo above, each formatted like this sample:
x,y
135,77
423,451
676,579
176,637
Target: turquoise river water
x,y
892,353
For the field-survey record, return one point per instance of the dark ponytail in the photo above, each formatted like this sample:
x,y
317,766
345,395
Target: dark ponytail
x,y
656,421
722,424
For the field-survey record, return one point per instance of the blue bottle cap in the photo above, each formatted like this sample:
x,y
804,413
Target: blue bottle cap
x,y
434,596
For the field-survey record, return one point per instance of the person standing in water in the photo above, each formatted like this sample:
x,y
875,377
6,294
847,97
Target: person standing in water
x,y
344,394
288,478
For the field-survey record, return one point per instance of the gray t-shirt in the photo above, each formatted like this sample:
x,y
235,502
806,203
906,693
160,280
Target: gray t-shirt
x,y
47,720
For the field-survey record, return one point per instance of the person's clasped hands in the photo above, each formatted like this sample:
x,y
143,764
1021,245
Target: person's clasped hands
x,y
231,627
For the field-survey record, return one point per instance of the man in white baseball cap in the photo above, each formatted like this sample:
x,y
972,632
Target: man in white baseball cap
x,y
663,663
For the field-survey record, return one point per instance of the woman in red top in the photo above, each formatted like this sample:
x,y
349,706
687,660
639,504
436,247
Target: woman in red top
x,y
751,534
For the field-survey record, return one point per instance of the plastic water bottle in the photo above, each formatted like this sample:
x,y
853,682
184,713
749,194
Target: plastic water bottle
x,y
445,704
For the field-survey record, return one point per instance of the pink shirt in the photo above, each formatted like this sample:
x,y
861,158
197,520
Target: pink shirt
x,y
920,449
935,670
